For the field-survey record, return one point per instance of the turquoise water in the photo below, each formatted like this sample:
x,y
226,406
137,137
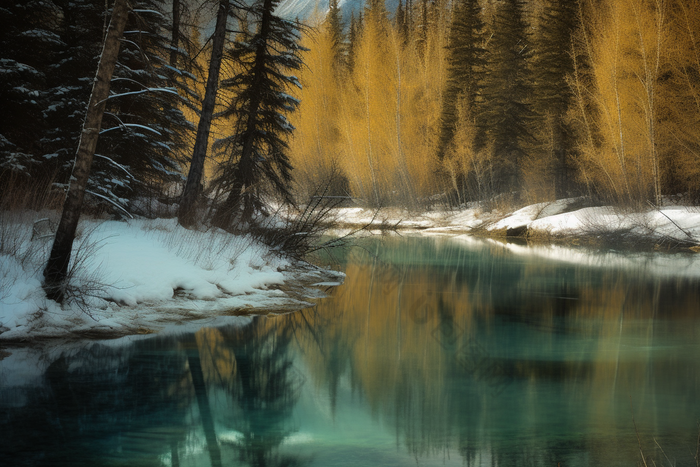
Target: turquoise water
x,y
433,352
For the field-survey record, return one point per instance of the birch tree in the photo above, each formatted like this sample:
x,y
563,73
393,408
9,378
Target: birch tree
x,y
56,269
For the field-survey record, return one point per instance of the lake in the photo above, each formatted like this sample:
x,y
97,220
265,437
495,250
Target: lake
x,y
435,351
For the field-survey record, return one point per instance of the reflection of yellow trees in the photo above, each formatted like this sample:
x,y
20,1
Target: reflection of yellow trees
x,y
399,332
218,362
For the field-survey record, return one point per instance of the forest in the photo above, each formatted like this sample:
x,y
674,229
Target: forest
x,y
223,109
523,101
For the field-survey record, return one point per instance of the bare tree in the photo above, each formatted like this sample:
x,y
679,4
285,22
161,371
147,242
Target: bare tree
x,y
57,266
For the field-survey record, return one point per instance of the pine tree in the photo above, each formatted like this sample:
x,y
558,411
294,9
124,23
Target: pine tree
x,y
401,22
465,58
507,114
334,24
29,43
353,37
68,84
422,28
258,109
147,128
553,64
144,127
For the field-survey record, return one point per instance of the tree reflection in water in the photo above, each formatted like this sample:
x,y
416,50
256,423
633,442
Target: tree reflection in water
x,y
433,354
509,359
135,404
100,404
265,391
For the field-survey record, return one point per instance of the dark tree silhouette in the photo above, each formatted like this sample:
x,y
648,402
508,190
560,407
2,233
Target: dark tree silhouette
x,y
465,58
507,112
256,153
193,185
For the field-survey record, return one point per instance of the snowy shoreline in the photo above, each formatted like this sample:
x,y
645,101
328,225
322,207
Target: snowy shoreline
x,y
145,276
141,276
546,222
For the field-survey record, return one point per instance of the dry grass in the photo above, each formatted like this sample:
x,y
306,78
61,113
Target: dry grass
x,y
28,218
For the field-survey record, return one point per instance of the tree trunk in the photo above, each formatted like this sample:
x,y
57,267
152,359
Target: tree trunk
x,y
186,215
57,266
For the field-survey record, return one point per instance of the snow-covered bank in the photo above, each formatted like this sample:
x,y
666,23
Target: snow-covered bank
x,y
555,220
143,275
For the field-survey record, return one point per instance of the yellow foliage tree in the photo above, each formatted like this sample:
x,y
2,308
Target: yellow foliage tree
x,y
373,125
626,45
315,149
468,168
682,98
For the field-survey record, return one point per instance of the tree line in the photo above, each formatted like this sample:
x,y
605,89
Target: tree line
x,y
439,100
534,100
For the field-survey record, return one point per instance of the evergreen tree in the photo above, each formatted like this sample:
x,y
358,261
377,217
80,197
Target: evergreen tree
x,y
507,93
144,128
465,58
258,108
147,128
353,37
56,268
376,12
334,24
553,64
401,20
68,86
422,28
29,42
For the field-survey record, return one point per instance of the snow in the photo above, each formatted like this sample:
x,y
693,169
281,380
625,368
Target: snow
x,y
131,125
558,218
143,276
43,35
669,221
523,217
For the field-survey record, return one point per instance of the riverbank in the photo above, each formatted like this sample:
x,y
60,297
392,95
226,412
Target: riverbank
x,y
568,221
141,276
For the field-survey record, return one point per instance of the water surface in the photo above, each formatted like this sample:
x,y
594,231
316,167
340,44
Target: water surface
x,y
433,352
